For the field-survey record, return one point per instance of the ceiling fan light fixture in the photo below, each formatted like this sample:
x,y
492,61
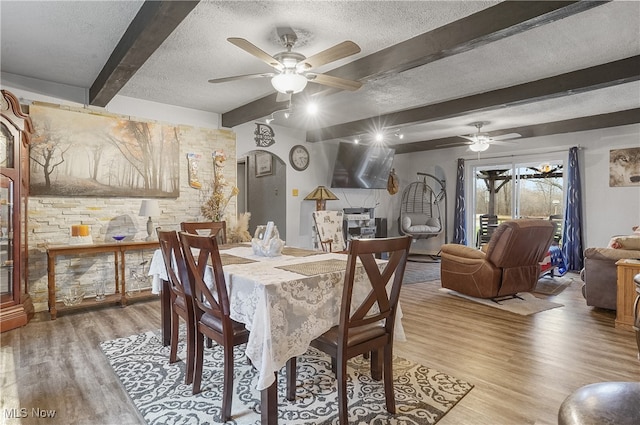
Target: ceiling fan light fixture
x,y
289,83
479,146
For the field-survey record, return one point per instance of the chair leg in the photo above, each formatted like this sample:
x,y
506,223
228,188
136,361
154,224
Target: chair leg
x,y
376,365
343,412
227,384
175,324
191,343
291,379
197,373
389,394
209,342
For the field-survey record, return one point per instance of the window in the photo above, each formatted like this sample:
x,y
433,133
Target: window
x,y
501,190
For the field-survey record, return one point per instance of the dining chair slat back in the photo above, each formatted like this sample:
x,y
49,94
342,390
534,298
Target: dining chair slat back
x,y
211,306
369,328
180,296
218,228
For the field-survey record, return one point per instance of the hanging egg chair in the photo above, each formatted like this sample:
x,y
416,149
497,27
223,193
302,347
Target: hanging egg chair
x,y
420,212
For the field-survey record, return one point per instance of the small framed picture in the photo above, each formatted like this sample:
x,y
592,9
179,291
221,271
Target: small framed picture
x,y
264,164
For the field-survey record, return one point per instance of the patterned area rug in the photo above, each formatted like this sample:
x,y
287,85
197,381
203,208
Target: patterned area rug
x,y
157,389
416,272
548,285
525,305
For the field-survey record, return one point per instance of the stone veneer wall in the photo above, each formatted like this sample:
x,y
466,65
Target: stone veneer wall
x,y
50,220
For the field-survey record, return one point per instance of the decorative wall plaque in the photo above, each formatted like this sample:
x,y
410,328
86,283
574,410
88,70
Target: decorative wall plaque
x,y
264,135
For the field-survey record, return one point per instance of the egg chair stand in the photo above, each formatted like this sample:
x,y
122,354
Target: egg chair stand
x,y
420,213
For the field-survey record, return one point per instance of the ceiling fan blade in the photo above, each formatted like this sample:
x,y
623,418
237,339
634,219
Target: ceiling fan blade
x,y
470,138
452,145
241,77
283,97
255,51
336,82
339,51
507,136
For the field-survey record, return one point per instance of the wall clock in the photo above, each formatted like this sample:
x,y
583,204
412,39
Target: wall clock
x,y
299,157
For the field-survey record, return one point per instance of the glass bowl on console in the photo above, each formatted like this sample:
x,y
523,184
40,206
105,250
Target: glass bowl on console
x,y
73,296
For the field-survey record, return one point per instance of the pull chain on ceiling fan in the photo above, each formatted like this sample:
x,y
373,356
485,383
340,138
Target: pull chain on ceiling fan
x,y
292,68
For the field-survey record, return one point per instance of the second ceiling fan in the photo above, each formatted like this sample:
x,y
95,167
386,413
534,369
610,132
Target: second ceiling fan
x,y
479,142
293,69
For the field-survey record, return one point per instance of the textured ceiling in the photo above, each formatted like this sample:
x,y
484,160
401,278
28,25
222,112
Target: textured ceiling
x,y
70,42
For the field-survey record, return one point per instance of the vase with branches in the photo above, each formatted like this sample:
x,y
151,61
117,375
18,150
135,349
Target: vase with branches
x,y
215,206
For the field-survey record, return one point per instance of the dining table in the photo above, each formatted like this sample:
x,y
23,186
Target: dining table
x,y
285,302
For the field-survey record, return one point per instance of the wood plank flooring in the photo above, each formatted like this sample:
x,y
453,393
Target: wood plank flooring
x,y
522,366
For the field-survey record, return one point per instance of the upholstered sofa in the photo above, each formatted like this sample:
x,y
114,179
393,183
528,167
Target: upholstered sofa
x,y
599,273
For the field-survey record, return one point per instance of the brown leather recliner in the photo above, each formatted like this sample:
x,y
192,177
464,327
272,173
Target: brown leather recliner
x,y
509,265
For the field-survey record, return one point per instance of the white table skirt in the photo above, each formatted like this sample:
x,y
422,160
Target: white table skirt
x,y
283,310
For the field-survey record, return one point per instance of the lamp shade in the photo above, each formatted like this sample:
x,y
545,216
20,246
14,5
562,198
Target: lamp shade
x,y
321,194
289,82
149,208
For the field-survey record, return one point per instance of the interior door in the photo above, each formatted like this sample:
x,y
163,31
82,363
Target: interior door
x,y
266,188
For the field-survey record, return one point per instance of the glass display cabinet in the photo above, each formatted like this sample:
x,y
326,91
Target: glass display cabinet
x,y
16,307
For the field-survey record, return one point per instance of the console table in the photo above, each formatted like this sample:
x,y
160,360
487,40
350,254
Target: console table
x,y
118,249
625,313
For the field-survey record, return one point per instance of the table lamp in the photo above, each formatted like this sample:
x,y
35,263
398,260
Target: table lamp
x,y
321,194
148,208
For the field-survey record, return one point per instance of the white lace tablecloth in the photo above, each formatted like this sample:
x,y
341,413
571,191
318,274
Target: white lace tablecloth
x,y
283,310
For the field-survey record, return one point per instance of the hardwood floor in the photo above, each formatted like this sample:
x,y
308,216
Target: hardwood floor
x,y
522,366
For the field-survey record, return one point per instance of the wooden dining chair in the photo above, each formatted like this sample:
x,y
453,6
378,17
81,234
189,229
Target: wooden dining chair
x,y
181,297
211,311
218,228
370,327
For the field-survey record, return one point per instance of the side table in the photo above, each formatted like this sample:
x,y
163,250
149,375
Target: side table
x,y
625,303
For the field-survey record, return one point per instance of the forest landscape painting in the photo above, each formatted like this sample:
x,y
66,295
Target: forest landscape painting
x,y
94,155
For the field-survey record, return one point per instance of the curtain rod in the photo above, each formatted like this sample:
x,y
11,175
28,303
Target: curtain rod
x,y
524,154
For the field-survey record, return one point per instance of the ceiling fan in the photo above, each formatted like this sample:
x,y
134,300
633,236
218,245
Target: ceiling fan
x,y
480,141
292,69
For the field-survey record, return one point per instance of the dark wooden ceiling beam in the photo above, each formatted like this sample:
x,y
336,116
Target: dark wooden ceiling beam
x,y
152,25
596,77
594,122
494,23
